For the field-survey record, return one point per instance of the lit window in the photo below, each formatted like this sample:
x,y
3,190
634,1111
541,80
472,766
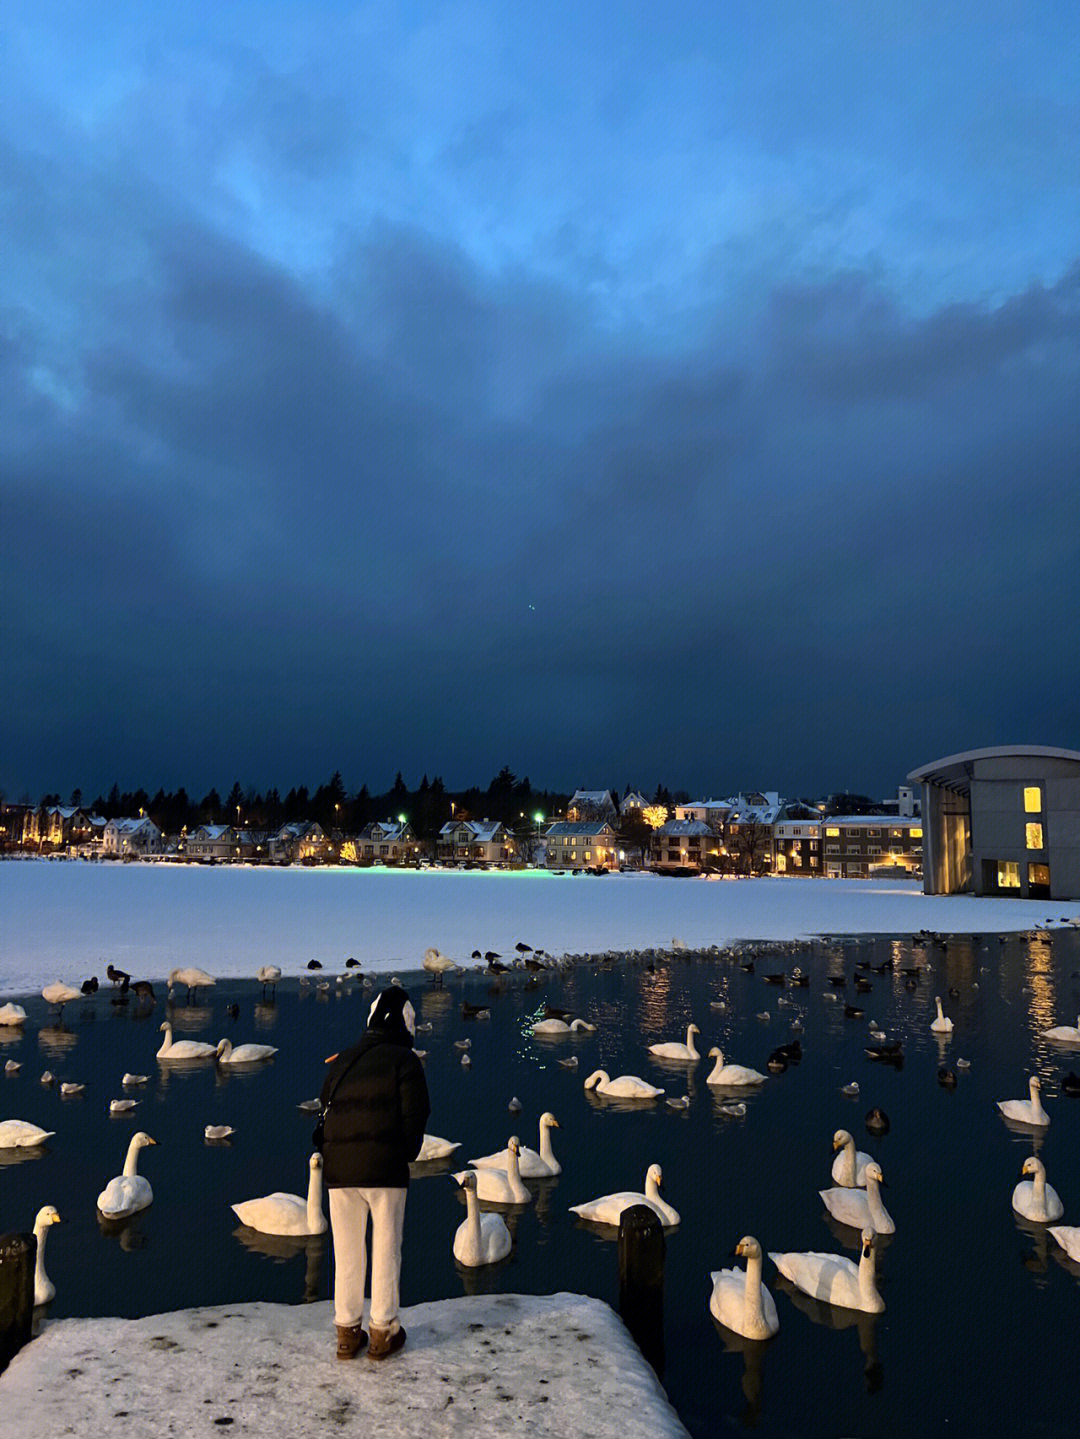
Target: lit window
x,y
1033,799
1034,836
915,833
832,832
1039,874
1008,874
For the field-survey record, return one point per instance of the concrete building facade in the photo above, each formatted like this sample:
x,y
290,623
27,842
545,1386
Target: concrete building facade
x,y
1003,821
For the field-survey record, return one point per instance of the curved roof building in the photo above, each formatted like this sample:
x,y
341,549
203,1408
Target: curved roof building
x,y
1002,821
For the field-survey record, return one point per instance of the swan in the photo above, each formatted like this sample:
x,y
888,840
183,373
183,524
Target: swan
x,y
849,1166
21,1134
1033,1198
501,1186
44,1288
191,978
609,1207
532,1165
861,1208
287,1213
732,1076
740,1301
183,1048
1026,1111
438,964
128,1192
243,1053
435,1148
627,1086
217,1132
1060,1034
675,1050
12,1014
268,974
942,1024
834,1278
560,1026
482,1238
1068,1236
59,994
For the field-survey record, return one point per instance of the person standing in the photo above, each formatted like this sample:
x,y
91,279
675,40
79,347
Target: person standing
x,y
375,1107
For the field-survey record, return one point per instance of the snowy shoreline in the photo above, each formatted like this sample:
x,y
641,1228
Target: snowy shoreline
x,y
549,1366
67,921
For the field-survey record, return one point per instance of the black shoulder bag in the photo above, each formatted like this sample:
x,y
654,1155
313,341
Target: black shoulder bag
x,y
318,1134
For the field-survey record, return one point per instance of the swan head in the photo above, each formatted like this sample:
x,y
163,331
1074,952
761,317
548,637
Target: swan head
x,y
716,1053
1035,1084
164,1026
840,1138
1033,1166
315,1162
46,1216
655,1173
867,1243
748,1248
514,1144
468,1180
548,1121
873,1171
692,1029
142,1140
598,1076
224,1047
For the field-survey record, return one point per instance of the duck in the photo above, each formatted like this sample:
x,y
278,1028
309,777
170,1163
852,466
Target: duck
x,y
287,1213
67,1089
193,979
44,1288
122,1106
438,964
129,1192
243,1053
12,1014
942,1024
739,1300
21,1134
1026,1111
861,1208
1068,1236
215,1133
626,1086
877,1121
501,1186
533,1164
183,1048
675,1050
608,1208
481,1238
1033,1198
834,1279
435,1148
849,1166
733,1111
12,1066
732,1076
1063,1033
132,1081
560,1026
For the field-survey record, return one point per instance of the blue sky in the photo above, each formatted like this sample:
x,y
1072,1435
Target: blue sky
x,y
611,391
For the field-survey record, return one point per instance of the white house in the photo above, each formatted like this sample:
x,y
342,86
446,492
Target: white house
x,y
685,844
476,841
212,842
387,842
592,804
581,844
138,837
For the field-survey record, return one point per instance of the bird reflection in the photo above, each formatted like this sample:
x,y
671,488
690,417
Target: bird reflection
x,y
188,1017
753,1352
21,1154
1031,1134
483,1278
1035,1260
851,1238
283,1247
57,1038
266,1014
127,1232
832,1316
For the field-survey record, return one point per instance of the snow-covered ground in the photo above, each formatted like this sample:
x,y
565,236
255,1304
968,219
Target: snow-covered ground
x,y
550,1367
66,920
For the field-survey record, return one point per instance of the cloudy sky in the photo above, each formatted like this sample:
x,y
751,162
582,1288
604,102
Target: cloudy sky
x,y
617,391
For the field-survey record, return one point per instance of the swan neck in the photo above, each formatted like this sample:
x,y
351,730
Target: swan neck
x,y
131,1163
314,1199
868,1276
718,1066
690,1042
167,1042
752,1307
41,1232
873,1201
547,1154
1038,1188
472,1218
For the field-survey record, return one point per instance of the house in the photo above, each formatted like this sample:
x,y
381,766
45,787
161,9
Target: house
x,y
390,841
592,804
632,803
213,842
58,826
858,845
131,838
581,844
748,830
685,844
796,846
299,840
476,841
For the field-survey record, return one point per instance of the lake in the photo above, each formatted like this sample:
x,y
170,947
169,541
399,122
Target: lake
x,y
981,1311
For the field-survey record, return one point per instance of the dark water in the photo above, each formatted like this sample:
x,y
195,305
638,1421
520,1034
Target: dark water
x,y
982,1322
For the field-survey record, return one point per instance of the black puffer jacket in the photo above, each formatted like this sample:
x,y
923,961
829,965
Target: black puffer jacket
x,y
375,1123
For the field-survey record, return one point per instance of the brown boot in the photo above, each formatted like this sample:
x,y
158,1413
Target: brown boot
x,y
350,1340
385,1342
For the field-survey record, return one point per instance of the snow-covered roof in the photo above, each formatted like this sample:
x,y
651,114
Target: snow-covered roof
x,y
676,827
582,827
211,831
873,821
633,800
131,826
592,796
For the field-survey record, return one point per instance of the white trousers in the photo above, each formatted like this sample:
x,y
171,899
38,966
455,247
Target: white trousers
x,y
349,1210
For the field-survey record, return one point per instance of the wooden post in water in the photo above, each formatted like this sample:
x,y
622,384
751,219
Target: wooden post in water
x,y
18,1255
641,1281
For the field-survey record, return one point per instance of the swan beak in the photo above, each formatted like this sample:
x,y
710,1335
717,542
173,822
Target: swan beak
x,y
330,1058
836,1146
736,1253
153,1141
555,1124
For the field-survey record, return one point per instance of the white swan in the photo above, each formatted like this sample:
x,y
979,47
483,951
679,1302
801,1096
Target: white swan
x,y
1033,1198
942,1024
740,1301
732,1076
1060,1034
12,1014
501,1186
532,1165
183,1048
1068,1236
268,974
627,1086
1026,1111
560,1026
482,1238
44,1288
59,994
609,1207
834,1278
21,1134
849,1166
435,1148
861,1208
128,1192
674,1050
287,1213
438,964
243,1053
191,978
